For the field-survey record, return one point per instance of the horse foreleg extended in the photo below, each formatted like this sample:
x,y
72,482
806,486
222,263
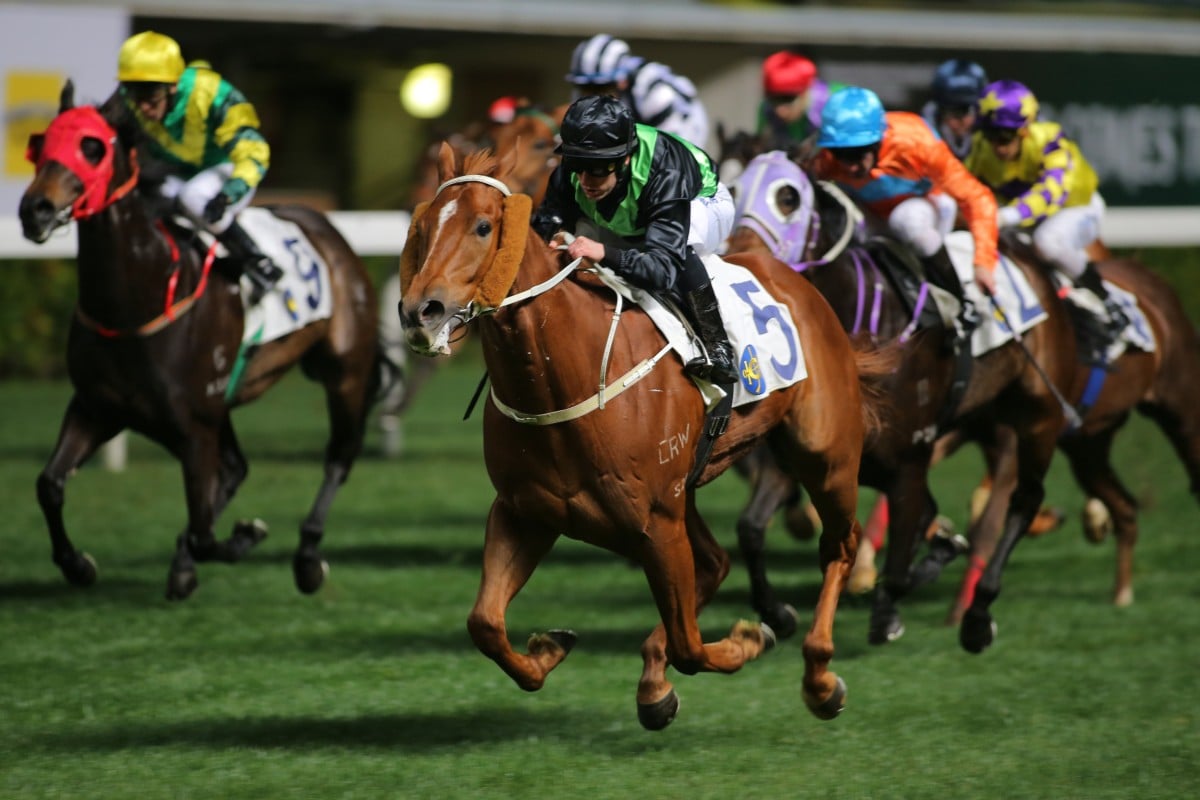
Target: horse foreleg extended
x,y
511,552
911,510
78,437
771,489
1090,462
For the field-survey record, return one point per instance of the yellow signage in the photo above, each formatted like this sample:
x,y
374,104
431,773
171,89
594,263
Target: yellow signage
x,y
31,102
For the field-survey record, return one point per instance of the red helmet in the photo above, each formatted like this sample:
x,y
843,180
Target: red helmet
x,y
787,73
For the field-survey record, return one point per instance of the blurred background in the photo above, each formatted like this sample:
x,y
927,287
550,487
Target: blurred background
x,y
327,80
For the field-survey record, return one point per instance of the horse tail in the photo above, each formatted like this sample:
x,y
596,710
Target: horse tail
x,y
875,365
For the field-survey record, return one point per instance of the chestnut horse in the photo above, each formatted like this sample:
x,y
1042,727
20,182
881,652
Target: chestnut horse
x,y
612,470
162,367
810,229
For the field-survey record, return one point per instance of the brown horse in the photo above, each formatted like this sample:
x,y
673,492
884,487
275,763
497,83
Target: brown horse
x,y
164,368
776,199
613,470
1162,384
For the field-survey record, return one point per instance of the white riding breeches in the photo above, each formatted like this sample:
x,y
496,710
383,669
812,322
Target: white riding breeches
x,y
1063,237
193,194
923,222
712,221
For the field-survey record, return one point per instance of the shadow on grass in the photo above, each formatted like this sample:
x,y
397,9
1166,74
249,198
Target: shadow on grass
x,y
418,732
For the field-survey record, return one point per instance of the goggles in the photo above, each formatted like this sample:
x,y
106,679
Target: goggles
x,y
595,169
1000,135
851,155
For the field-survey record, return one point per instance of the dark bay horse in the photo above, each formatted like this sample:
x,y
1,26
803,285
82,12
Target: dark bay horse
x,y
781,211
155,342
612,469
1163,385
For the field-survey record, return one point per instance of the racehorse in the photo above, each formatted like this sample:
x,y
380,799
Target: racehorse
x,y
1162,384
810,227
166,367
612,470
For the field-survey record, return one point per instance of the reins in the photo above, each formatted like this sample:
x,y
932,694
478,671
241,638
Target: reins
x,y
604,392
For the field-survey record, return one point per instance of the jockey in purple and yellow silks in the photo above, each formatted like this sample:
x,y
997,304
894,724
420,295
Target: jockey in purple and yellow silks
x,y
206,134
895,166
1044,183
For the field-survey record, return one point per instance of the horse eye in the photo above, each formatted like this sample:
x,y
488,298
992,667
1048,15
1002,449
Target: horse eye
x,y
483,228
93,149
788,199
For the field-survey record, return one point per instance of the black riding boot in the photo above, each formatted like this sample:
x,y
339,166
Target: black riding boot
x,y
1090,280
941,271
706,316
255,264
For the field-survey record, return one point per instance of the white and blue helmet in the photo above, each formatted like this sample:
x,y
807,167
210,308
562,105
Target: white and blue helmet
x,y
598,60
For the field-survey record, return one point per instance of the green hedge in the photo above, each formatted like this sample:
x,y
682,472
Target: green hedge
x,y
37,296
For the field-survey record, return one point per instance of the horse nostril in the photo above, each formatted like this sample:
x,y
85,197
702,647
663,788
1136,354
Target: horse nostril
x,y
431,311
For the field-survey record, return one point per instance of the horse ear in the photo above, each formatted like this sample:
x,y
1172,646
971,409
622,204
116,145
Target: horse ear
x,y
66,99
446,163
408,256
514,232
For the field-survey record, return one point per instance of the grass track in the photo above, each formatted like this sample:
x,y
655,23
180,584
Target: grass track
x,y
372,688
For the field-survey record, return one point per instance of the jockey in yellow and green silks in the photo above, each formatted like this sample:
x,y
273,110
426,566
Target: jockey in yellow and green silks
x,y
207,135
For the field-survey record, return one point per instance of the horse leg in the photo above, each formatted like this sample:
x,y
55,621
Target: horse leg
x,y
347,404
771,488
684,565
512,549
656,698
911,510
78,438
1035,448
1092,466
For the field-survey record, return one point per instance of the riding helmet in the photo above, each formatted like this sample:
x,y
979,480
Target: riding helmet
x,y
598,61
596,128
1007,105
786,73
149,57
852,117
958,82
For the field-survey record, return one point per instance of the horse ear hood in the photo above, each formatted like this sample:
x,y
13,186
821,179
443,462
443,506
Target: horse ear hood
x,y
408,256
514,231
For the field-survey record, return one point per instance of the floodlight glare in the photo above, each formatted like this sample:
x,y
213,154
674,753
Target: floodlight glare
x,y
425,92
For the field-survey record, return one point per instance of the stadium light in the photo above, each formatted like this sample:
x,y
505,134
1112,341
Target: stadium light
x,y
425,91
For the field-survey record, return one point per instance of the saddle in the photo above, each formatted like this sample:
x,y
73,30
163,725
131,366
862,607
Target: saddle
x,y
906,274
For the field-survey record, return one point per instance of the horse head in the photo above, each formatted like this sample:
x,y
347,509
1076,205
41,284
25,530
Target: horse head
x,y
775,208
81,167
532,134
463,249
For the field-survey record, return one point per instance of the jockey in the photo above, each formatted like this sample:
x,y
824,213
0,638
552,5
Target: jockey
x,y
655,95
206,133
1046,183
894,165
658,205
793,97
957,86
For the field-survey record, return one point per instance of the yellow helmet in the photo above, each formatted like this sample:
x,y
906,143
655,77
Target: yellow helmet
x,y
151,58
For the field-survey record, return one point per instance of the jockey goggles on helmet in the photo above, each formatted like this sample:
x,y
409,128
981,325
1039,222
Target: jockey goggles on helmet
x,y
597,134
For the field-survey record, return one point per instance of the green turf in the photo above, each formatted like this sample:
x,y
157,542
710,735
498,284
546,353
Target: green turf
x,y
372,688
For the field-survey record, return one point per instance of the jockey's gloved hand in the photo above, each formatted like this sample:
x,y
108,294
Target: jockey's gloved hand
x,y
216,208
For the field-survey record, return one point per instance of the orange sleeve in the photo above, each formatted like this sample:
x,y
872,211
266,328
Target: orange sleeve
x,y
975,200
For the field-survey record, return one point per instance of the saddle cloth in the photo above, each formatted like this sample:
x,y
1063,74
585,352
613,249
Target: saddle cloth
x,y
760,328
1021,306
302,296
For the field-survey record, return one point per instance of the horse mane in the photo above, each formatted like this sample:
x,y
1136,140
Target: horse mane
x,y
481,162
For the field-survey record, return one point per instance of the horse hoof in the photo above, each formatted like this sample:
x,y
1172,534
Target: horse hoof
x,y
832,706
782,622
892,630
79,570
181,584
977,632
658,715
769,637
563,638
310,573
1097,522
246,534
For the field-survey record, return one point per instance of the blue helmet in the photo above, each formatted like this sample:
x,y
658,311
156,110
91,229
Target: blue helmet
x,y
958,82
852,117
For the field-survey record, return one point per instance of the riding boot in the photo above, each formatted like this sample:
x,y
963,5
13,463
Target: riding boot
x,y
940,270
1117,320
256,265
706,317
